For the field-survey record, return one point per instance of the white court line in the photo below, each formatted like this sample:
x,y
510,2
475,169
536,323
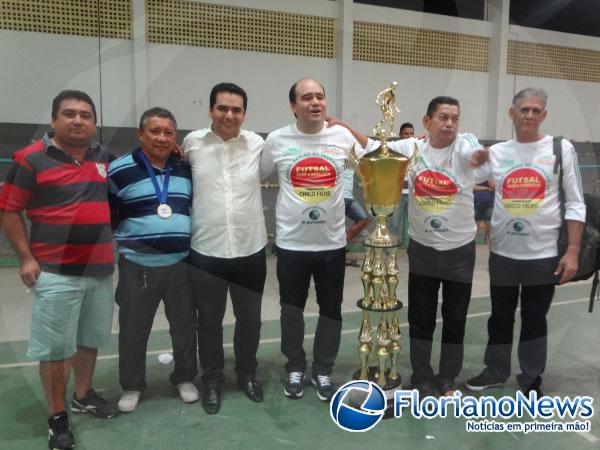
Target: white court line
x,y
589,436
273,340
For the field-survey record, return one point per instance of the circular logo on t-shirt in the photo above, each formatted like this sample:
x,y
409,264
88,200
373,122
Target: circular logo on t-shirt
x,y
518,226
434,190
313,179
523,191
435,223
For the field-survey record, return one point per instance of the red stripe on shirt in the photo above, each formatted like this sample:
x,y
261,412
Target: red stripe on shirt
x,y
13,198
20,156
89,171
80,213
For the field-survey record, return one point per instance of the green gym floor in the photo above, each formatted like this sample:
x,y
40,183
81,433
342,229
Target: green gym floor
x,y
161,421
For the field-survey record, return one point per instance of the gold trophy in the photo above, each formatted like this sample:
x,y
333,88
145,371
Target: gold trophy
x,y
382,175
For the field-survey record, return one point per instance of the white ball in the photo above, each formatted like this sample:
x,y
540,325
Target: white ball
x,y
165,358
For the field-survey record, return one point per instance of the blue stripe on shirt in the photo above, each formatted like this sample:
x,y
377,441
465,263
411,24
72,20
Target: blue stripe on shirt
x,y
143,236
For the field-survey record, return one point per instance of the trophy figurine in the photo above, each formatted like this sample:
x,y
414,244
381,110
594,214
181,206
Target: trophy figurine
x,y
382,173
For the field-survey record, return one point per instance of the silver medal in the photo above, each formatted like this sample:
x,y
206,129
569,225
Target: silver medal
x,y
164,211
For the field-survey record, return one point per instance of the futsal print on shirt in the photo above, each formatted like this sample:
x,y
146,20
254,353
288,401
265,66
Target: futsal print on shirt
x,y
523,191
313,179
435,191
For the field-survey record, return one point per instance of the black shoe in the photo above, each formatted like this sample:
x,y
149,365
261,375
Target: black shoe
x,y
426,389
211,400
484,381
530,389
59,434
446,387
252,389
93,403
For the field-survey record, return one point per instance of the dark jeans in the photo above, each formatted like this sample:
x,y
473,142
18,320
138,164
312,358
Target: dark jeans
x,y
428,269
535,304
139,291
294,269
422,313
244,278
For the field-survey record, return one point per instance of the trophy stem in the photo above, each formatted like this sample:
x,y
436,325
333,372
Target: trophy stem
x,y
381,237
383,354
394,347
364,347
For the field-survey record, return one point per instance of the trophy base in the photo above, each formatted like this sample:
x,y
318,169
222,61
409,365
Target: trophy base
x,y
390,386
398,305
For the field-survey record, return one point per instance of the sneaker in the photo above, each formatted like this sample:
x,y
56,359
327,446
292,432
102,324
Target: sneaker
x,y
188,392
93,403
128,401
293,387
483,381
59,434
324,387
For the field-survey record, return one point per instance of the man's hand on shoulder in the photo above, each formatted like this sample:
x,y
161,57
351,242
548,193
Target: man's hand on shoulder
x,y
361,138
331,121
479,157
178,151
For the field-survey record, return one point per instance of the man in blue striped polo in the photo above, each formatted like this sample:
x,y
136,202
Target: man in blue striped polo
x,y
150,196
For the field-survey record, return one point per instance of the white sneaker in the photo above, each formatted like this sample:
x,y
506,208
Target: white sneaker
x,y
129,400
188,392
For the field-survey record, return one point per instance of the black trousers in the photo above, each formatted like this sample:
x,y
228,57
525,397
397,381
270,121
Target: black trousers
x,y
139,291
422,313
428,270
526,278
212,278
294,270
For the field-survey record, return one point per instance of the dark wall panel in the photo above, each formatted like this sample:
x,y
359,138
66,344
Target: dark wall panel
x,y
468,9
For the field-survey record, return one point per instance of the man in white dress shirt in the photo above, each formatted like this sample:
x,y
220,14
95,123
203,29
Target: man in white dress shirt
x,y
228,240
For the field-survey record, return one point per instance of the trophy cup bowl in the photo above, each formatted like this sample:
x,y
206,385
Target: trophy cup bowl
x,y
382,174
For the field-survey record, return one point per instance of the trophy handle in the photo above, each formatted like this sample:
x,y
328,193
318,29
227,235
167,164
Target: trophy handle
x,y
352,158
412,162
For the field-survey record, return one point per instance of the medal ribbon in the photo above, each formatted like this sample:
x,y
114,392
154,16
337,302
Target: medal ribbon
x,y
161,195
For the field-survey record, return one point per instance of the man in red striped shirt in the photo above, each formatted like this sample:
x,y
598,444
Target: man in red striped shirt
x,y
61,183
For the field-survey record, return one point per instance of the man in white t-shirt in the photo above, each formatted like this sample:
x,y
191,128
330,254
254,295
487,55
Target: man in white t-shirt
x,y
310,159
228,241
524,261
441,250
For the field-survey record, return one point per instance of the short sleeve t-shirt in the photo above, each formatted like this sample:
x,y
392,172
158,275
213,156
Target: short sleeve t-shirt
x,y
440,206
310,167
526,217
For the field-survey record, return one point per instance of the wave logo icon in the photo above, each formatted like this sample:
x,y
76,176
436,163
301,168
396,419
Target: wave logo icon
x,y
357,406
